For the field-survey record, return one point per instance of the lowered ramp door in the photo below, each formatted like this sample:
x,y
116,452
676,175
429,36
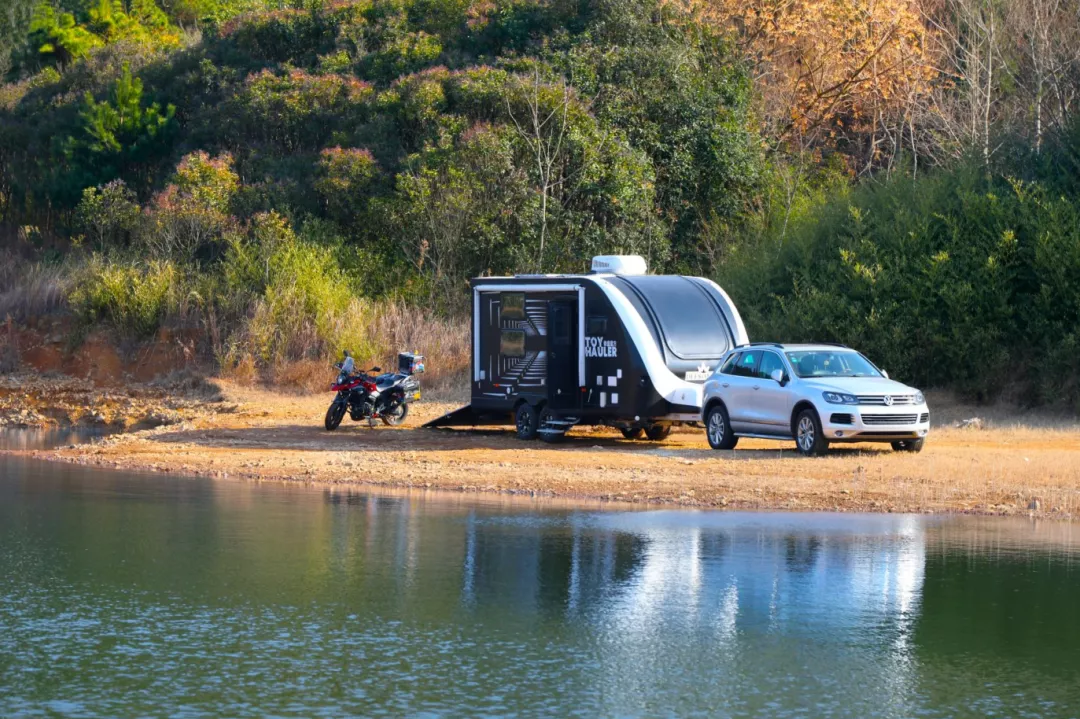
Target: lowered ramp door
x,y
562,366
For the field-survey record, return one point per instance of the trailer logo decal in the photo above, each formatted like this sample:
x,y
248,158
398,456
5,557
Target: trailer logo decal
x,y
600,347
702,374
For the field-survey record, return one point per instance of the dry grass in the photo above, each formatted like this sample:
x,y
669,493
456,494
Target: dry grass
x,y
948,409
386,328
394,327
31,290
9,347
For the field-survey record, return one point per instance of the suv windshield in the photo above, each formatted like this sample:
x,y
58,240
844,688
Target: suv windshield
x,y
831,363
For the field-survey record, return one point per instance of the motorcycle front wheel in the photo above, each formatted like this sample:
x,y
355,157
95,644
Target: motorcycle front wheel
x,y
395,415
334,416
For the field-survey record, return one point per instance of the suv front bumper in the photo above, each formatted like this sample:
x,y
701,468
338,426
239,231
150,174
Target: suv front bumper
x,y
862,423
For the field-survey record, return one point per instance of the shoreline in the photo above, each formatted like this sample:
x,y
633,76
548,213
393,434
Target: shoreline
x,y
253,434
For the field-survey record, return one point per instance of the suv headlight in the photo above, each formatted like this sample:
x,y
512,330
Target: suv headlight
x,y
839,398
919,399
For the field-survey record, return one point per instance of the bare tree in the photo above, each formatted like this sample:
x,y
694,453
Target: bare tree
x,y
543,128
967,103
1045,34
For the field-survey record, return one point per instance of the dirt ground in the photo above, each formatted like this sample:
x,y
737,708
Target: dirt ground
x,y
1010,465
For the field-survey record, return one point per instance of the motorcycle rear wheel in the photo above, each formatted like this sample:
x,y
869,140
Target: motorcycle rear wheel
x,y
334,416
394,417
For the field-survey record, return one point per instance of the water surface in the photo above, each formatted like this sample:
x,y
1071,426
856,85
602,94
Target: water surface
x,y
149,595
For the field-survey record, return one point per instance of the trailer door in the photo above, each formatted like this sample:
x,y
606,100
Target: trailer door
x,y
562,366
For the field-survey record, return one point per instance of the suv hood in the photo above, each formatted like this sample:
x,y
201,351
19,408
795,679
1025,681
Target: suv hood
x,y
859,385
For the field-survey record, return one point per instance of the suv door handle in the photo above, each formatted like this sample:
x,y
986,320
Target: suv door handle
x,y
725,384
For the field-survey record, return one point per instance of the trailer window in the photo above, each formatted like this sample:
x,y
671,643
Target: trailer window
x,y
512,343
596,326
513,305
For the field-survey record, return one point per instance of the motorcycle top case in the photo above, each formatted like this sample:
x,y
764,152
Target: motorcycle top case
x,y
410,363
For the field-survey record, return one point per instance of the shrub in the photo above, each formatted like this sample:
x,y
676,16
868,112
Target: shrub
x,y
108,214
192,211
344,181
133,298
297,111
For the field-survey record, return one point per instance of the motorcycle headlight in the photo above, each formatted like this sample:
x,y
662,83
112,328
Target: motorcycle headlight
x,y
839,398
919,399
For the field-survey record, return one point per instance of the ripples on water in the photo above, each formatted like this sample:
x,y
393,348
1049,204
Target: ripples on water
x,y
123,595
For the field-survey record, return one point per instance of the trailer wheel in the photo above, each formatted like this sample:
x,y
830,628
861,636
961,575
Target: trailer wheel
x,y
633,432
658,432
550,437
526,420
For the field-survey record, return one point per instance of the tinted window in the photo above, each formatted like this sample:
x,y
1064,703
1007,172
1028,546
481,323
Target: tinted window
x,y
513,305
596,326
729,364
690,320
560,323
770,361
748,364
512,343
831,363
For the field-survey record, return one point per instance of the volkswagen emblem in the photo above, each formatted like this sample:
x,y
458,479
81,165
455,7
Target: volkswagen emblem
x,y
888,400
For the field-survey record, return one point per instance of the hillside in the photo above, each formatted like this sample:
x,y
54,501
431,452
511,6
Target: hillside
x,y
277,181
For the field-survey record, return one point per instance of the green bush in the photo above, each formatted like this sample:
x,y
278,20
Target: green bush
x,y
133,297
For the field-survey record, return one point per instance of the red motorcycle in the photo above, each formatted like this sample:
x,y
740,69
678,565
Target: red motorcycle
x,y
371,397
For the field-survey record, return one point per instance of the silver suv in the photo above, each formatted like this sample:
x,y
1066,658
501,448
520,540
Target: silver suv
x,y
814,394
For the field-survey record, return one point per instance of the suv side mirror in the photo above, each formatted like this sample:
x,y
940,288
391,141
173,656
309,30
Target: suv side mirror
x,y
778,377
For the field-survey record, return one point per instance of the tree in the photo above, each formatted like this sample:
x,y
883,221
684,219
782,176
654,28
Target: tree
x,y
121,123
1045,37
543,127
58,35
833,73
108,214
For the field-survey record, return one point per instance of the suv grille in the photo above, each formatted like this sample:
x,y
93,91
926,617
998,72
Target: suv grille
x,y
876,419
879,399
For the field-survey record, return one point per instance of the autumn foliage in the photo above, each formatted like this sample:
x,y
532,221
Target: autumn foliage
x,y
840,73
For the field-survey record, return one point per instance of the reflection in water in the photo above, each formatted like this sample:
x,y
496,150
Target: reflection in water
x,y
122,594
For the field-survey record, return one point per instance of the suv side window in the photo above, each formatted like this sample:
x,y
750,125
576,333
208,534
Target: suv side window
x,y
748,364
770,362
729,364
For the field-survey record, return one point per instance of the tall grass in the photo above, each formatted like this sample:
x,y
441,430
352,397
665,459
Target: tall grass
x,y
29,290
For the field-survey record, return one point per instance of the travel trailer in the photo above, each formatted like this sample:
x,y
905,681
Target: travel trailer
x,y
616,347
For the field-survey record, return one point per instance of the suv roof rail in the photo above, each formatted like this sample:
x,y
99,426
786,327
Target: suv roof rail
x,y
758,344
834,344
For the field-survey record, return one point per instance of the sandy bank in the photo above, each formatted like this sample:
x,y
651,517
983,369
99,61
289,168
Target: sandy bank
x,y
251,434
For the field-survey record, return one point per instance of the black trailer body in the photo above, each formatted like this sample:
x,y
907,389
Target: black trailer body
x,y
621,349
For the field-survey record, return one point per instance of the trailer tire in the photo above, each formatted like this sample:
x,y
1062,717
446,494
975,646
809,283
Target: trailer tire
x,y
550,437
527,421
657,432
633,432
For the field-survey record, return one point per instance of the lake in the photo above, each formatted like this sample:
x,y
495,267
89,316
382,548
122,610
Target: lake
x,y
152,595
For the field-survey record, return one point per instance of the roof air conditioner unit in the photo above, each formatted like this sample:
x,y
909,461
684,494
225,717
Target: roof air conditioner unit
x,y
619,265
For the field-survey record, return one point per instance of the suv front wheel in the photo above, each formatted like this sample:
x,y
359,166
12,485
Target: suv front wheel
x,y
809,437
718,429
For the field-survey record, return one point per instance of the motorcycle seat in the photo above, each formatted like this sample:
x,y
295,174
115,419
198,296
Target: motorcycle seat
x,y
385,381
